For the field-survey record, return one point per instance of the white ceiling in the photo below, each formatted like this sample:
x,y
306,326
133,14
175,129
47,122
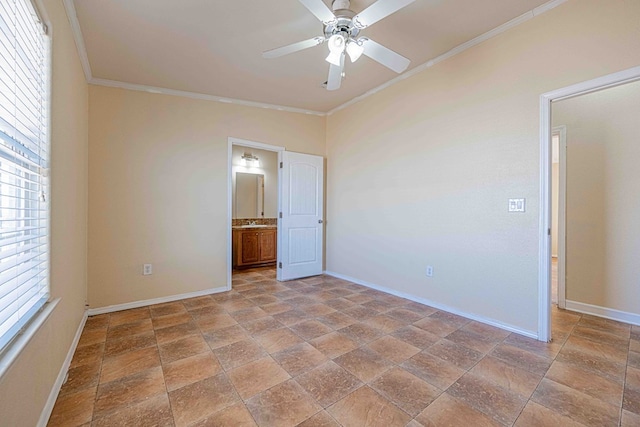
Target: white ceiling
x,y
213,47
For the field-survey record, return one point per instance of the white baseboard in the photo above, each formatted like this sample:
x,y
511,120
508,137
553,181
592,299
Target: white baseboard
x,y
607,313
146,302
53,395
436,305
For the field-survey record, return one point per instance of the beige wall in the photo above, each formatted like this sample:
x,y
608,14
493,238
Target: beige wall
x,y
268,168
603,206
25,388
420,173
158,188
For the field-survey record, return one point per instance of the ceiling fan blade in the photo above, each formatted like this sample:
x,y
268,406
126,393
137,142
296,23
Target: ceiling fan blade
x,y
377,11
320,10
385,56
294,47
335,75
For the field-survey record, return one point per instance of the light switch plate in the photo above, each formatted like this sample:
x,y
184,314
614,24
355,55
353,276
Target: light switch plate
x,y
516,205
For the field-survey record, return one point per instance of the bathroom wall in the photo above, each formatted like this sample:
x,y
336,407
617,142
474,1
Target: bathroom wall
x,y
268,168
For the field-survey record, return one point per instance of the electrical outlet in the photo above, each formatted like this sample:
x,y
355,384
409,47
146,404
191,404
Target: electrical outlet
x,y
147,269
429,271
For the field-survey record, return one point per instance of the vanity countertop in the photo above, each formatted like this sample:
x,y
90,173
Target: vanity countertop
x,y
257,227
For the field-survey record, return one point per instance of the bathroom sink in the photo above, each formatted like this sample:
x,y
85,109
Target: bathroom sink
x,y
254,226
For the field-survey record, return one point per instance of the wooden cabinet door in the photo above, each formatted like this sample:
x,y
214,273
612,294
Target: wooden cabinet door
x,y
267,245
249,247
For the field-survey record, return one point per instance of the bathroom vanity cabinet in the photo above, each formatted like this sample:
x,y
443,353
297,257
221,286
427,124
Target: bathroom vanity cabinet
x,y
254,246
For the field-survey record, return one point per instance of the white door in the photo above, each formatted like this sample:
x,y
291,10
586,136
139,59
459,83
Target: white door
x,y
301,225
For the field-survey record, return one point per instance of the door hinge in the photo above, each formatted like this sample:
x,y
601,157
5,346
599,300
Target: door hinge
x,y
549,231
280,214
279,265
280,165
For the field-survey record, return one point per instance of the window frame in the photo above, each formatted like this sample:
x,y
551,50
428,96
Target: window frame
x,y
20,338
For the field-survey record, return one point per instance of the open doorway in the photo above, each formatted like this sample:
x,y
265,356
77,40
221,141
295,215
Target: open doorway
x,y
617,299
254,204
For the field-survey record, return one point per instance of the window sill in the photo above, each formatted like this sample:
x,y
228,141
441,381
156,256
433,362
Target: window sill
x,y
10,355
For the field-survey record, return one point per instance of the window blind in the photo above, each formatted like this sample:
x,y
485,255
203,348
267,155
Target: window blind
x,y
24,186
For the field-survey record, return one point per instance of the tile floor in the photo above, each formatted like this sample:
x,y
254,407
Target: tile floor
x,y
325,352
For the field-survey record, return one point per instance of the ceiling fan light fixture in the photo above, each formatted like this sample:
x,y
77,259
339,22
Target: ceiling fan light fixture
x,y
336,48
355,50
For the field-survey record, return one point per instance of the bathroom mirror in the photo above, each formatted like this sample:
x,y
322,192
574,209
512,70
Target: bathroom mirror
x,y
249,195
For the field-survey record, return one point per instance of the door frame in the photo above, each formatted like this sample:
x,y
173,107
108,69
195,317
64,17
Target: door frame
x,y
231,141
561,131
544,237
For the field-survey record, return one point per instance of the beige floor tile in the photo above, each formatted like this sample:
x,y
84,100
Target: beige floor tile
x,y
153,412
73,409
185,347
328,383
292,317
433,370
393,349
175,332
448,411
364,363
129,363
128,316
334,344
215,321
291,349
575,405
262,325
385,323
321,419
82,377
278,340
92,336
171,320
362,332
256,377
479,343
129,329
408,392
285,405
417,337
117,347
310,329
225,336
404,315
629,419
488,398
460,355
522,358
235,415
300,358
202,399
190,370
116,395
239,353
586,382
365,407
88,355
507,376
166,309
537,415
600,366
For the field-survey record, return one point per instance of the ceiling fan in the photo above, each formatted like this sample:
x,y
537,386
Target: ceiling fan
x,y
342,27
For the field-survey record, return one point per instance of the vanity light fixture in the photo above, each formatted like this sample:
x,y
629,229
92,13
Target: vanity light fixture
x,y
250,160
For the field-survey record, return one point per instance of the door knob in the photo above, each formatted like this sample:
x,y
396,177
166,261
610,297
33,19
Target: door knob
x,y
319,221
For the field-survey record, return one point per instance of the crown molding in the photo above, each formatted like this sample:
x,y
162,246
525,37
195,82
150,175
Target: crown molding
x,y
455,51
77,36
201,96
84,59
